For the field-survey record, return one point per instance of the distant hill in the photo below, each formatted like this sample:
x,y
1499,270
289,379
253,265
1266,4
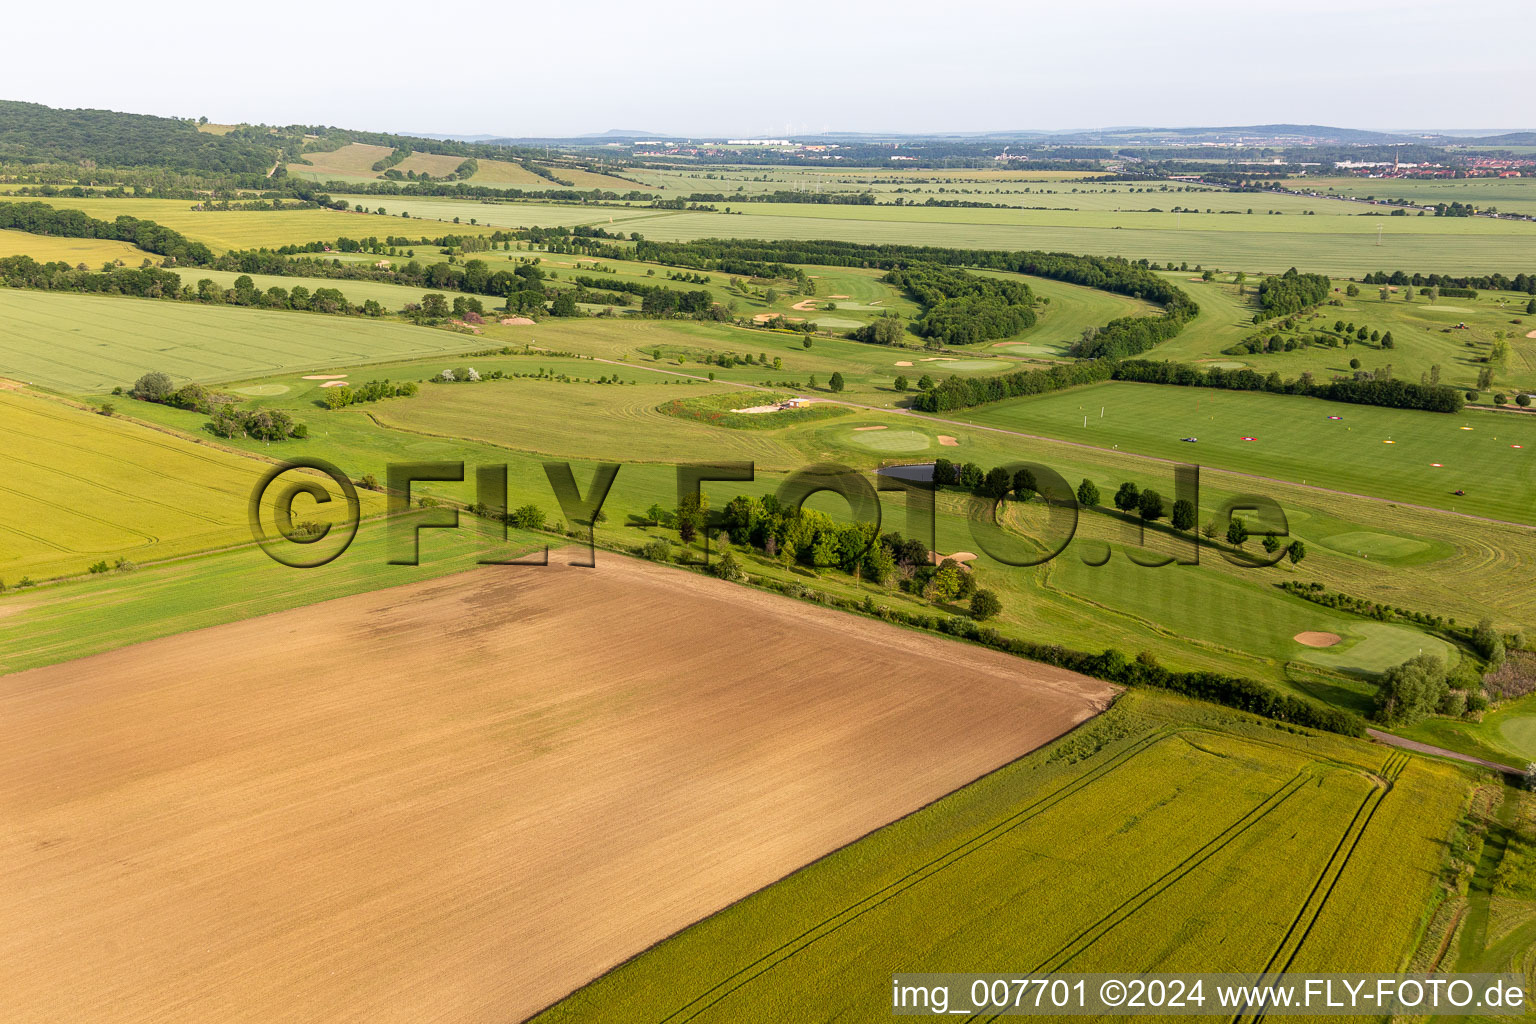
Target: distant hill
x,y
33,133
1508,139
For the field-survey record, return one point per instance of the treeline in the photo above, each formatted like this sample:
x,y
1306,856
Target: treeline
x,y
1494,282
1392,394
963,309
963,392
32,133
42,219
1291,293
155,283
656,300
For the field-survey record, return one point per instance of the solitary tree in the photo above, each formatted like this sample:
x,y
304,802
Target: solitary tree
x,y
1024,484
1150,505
1296,552
1087,493
1237,532
1183,517
835,382
985,604
901,383
1128,497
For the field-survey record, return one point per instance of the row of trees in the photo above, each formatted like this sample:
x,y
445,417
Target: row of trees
x,y
42,219
1393,394
1523,282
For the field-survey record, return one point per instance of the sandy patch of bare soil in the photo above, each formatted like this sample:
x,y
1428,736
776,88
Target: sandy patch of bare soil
x,y
459,800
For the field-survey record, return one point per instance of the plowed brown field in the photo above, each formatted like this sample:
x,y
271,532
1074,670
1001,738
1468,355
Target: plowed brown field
x,y
459,800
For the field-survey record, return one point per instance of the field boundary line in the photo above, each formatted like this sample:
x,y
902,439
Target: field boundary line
x,y
919,874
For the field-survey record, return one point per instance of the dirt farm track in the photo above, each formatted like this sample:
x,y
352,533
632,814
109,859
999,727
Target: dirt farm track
x,y
459,800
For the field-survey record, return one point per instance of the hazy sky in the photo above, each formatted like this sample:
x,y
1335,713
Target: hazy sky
x,y
685,67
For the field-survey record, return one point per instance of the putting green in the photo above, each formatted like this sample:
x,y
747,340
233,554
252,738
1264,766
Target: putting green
x,y
1029,350
891,440
1226,364
262,390
1375,545
1519,731
966,364
1370,648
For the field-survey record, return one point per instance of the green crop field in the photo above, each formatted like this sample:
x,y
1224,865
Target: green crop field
x,y
1281,833
1399,455
91,343
1507,195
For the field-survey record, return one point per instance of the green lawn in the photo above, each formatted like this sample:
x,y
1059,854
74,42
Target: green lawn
x,y
1492,456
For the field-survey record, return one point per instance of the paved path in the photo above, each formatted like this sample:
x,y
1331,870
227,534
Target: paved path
x,y
1426,748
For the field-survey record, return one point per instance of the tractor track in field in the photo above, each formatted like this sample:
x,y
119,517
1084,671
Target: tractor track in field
x,y
1091,447
1104,925
1337,862
828,925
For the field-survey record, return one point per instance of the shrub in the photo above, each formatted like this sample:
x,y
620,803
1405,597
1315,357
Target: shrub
x,y
985,604
153,387
658,550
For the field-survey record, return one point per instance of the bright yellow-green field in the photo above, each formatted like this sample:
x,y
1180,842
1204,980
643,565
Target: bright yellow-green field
x,y
249,229
80,487
93,252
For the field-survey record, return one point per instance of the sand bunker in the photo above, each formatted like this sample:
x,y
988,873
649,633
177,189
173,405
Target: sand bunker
x,y
325,376
804,306
837,296
334,384
516,321
1313,639
1530,334
763,318
960,556
905,362
880,427
947,441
